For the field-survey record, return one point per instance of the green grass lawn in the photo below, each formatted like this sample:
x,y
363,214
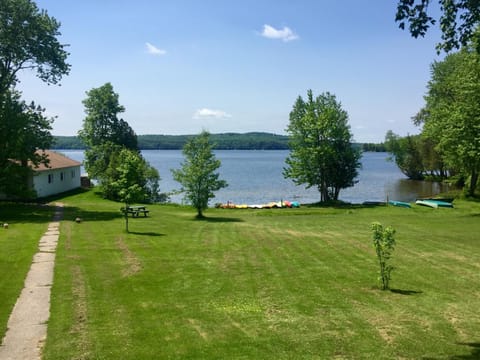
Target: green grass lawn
x,y
264,284
18,244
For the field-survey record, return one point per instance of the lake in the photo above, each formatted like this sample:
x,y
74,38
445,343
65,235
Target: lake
x,y
255,177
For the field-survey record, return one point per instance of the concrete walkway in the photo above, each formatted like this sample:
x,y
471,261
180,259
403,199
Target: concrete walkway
x,y
27,325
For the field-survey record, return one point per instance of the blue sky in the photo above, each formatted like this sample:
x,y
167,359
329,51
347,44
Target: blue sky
x,y
182,66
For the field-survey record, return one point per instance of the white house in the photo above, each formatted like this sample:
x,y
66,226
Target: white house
x,y
62,174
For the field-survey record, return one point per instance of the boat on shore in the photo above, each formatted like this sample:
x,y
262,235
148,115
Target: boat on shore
x,y
427,203
399,203
270,205
442,199
433,203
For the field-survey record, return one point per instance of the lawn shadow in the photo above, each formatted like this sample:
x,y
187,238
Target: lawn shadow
x,y
72,212
475,348
475,352
217,219
26,212
406,292
346,205
148,233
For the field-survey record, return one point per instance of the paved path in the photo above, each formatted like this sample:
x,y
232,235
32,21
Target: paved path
x,y
27,325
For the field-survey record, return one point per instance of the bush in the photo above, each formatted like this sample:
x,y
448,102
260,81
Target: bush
x,y
384,242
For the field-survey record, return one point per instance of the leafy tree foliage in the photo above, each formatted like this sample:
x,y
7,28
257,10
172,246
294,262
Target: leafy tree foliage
x,y
125,168
198,175
458,22
384,243
321,154
23,130
28,40
112,146
451,116
416,156
102,130
102,124
131,179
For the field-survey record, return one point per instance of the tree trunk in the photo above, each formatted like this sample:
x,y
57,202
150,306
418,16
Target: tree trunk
x,y
126,217
473,183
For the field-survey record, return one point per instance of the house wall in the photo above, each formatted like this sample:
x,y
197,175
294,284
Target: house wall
x,y
51,181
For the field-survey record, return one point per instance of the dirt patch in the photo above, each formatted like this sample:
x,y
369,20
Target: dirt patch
x,y
194,323
132,264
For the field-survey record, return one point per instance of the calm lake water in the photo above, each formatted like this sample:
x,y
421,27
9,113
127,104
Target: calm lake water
x,y
255,177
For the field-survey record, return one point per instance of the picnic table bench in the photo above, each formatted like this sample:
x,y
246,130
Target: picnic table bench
x,y
135,211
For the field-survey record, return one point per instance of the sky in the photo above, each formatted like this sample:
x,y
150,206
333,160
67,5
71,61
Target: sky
x,y
183,66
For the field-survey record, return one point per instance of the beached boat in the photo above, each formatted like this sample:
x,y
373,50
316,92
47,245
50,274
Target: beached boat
x,y
442,199
270,205
428,203
399,203
440,203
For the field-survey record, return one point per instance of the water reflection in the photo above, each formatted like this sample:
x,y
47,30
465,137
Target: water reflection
x,y
409,190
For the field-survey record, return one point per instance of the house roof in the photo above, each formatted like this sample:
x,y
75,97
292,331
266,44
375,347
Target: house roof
x,y
57,161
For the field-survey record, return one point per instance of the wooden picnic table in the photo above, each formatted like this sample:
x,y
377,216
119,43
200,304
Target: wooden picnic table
x,y
135,211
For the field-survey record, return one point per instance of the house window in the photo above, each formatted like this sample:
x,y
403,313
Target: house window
x,y
61,176
73,174
50,178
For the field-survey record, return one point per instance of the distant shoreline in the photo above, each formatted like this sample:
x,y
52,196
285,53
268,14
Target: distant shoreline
x,y
224,141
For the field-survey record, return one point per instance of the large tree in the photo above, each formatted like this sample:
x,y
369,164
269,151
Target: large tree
x,y
459,21
198,175
321,146
451,117
103,131
29,40
23,130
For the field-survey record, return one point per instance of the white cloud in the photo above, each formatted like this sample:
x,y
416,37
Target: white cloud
x,y
210,114
152,49
286,34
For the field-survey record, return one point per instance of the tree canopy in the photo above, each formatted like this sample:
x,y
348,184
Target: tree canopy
x,y
103,132
29,40
321,153
102,124
23,130
459,21
451,116
197,174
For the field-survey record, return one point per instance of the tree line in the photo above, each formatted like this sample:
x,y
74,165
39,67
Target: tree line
x,y
449,143
225,141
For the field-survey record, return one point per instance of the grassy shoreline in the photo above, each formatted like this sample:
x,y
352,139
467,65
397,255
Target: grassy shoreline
x,y
279,284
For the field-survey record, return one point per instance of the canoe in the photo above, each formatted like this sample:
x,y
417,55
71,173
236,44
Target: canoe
x,y
428,203
399,203
440,203
444,199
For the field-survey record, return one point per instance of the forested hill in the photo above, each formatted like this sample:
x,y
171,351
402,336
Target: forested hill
x,y
226,141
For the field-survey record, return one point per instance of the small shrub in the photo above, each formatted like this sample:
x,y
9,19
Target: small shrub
x,y
384,242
